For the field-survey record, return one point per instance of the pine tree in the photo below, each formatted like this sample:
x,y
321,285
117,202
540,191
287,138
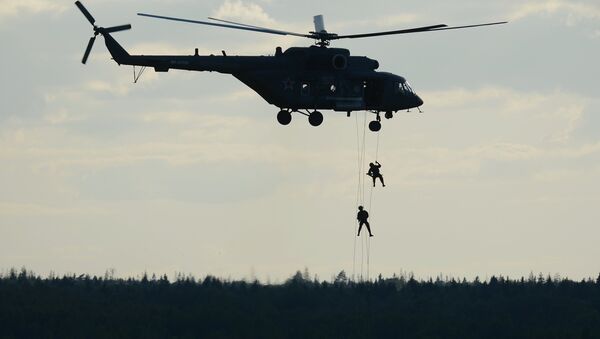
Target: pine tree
x,y
341,278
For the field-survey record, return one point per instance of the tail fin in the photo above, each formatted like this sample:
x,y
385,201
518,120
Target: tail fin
x,y
117,51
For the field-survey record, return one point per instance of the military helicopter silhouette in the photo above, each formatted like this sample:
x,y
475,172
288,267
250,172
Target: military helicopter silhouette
x,y
300,79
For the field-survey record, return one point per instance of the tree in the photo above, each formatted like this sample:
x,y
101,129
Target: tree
x,y
296,279
341,278
306,274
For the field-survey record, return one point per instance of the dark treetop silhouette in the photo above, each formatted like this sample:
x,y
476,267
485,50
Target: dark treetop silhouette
x,y
399,307
301,79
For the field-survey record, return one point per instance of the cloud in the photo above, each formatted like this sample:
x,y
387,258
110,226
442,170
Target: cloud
x,y
14,7
62,116
503,151
246,12
497,161
387,21
396,20
31,209
106,87
253,14
573,116
575,11
496,132
240,95
557,175
516,152
200,139
556,113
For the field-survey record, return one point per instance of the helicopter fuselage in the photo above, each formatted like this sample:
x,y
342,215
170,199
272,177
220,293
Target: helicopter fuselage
x,y
301,78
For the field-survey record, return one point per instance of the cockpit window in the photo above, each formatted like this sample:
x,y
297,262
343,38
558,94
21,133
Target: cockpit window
x,y
404,88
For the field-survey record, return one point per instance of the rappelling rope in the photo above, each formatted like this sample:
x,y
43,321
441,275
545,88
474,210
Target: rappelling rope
x,y
370,209
361,198
362,176
360,193
368,240
358,189
357,194
362,162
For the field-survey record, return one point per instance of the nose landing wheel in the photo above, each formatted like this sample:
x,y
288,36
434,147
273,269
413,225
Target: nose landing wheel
x,y
375,126
315,118
284,117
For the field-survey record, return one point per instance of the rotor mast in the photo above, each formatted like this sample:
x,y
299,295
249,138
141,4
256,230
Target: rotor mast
x,y
320,34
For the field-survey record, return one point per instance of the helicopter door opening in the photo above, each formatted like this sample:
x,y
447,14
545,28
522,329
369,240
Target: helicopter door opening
x,y
373,92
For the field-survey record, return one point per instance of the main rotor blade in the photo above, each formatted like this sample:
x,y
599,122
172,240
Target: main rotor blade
x,y
85,12
236,23
400,31
117,28
88,50
469,26
416,30
237,26
253,26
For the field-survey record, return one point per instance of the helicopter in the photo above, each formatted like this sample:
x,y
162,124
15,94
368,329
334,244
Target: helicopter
x,y
300,80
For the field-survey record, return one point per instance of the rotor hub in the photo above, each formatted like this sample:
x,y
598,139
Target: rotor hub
x,y
323,38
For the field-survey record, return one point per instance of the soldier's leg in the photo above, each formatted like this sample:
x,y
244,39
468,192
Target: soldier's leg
x,y
359,228
381,179
368,228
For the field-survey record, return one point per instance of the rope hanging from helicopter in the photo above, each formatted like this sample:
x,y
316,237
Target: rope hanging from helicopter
x,y
138,74
360,188
365,252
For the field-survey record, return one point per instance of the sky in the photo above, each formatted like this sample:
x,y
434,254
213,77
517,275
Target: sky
x,y
190,172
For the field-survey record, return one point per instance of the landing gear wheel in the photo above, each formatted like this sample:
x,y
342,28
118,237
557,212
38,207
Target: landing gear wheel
x,y
389,115
284,117
375,126
315,118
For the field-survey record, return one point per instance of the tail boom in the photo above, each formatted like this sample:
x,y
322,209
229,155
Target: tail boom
x,y
163,63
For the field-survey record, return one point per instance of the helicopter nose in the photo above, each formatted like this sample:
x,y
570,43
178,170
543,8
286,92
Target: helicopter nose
x,y
418,101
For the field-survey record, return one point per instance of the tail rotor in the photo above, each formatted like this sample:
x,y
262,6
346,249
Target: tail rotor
x,y
85,12
88,49
97,30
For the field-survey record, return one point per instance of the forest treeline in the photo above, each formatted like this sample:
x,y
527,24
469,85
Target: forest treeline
x,y
82,306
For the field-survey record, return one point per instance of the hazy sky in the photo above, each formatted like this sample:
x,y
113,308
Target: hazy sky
x,y
190,172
